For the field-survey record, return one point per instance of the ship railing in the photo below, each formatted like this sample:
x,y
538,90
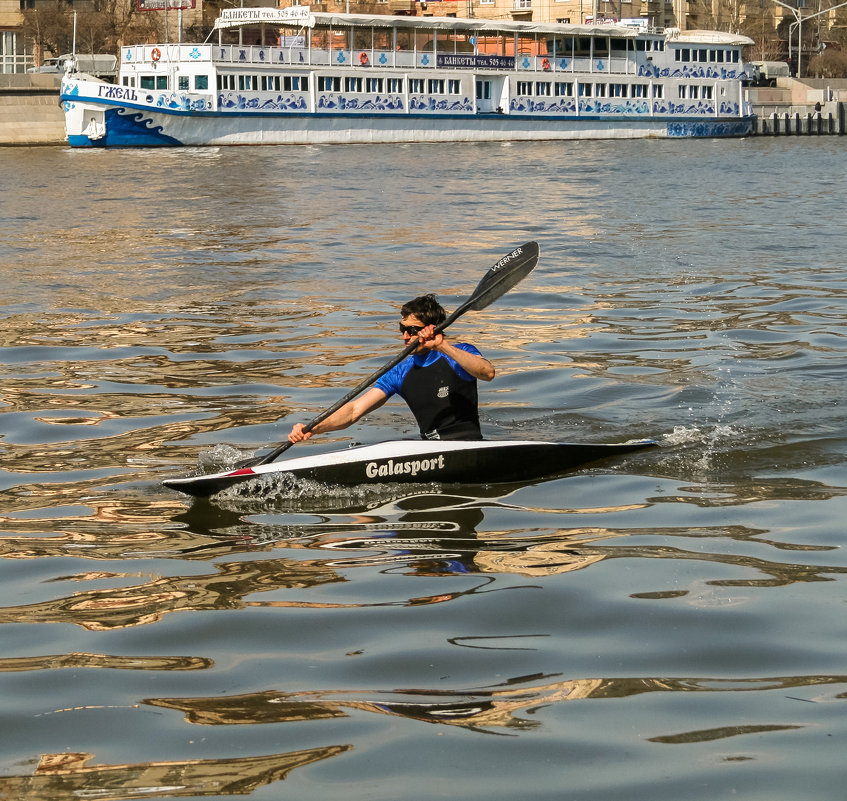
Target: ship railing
x,y
256,55
558,63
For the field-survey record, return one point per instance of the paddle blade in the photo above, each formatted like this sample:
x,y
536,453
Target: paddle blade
x,y
508,272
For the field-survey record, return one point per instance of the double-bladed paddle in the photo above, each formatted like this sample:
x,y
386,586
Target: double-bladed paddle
x,y
499,279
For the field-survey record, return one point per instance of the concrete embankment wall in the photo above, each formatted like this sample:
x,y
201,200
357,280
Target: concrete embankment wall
x,y
802,123
808,107
29,110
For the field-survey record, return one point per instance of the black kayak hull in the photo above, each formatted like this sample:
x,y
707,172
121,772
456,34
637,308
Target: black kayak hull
x,y
418,461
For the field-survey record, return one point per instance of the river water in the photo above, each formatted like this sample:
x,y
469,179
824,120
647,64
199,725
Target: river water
x,y
662,626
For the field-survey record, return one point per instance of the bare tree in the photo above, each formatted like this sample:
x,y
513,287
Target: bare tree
x,y
49,27
757,22
102,26
831,63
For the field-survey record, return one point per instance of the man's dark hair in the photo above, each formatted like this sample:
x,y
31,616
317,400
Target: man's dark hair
x,y
426,308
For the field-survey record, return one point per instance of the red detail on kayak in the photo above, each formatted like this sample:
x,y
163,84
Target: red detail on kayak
x,y
245,471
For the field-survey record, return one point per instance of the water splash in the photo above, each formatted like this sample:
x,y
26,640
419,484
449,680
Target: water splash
x,y
708,441
221,458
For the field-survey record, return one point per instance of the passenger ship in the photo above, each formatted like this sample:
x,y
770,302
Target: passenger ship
x,y
313,77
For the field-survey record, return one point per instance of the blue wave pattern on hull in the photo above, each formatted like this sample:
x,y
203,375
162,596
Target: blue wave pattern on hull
x,y
709,129
126,128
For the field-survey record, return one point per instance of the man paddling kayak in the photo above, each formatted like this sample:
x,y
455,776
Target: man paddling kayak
x,y
438,381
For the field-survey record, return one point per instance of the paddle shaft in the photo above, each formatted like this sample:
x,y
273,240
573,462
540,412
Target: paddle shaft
x,y
496,282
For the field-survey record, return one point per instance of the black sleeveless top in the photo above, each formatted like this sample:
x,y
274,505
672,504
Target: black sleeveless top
x,y
444,403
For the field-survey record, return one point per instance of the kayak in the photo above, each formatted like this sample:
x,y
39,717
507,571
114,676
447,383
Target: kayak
x,y
476,462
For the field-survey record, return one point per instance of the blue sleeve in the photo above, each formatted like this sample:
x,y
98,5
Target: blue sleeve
x,y
391,382
460,371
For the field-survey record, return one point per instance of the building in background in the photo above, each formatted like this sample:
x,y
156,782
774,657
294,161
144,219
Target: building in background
x,y
792,31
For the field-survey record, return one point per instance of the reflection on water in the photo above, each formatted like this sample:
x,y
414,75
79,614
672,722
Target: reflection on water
x,y
77,660
486,709
67,775
156,323
448,540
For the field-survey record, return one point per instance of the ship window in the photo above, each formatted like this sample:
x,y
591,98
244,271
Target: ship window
x,y
416,85
706,92
618,90
524,87
182,83
639,90
564,89
582,46
599,90
161,81
374,86
147,82
201,81
294,83
640,45
543,88
454,86
585,89
395,84
353,84
329,83
658,90
436,86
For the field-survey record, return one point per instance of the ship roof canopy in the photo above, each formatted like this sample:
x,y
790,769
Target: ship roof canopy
x,y
708,37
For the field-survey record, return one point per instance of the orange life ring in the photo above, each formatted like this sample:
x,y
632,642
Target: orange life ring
x,y
363,59
155,54
545,64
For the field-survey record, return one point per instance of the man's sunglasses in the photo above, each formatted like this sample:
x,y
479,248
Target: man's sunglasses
x,y
411,330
